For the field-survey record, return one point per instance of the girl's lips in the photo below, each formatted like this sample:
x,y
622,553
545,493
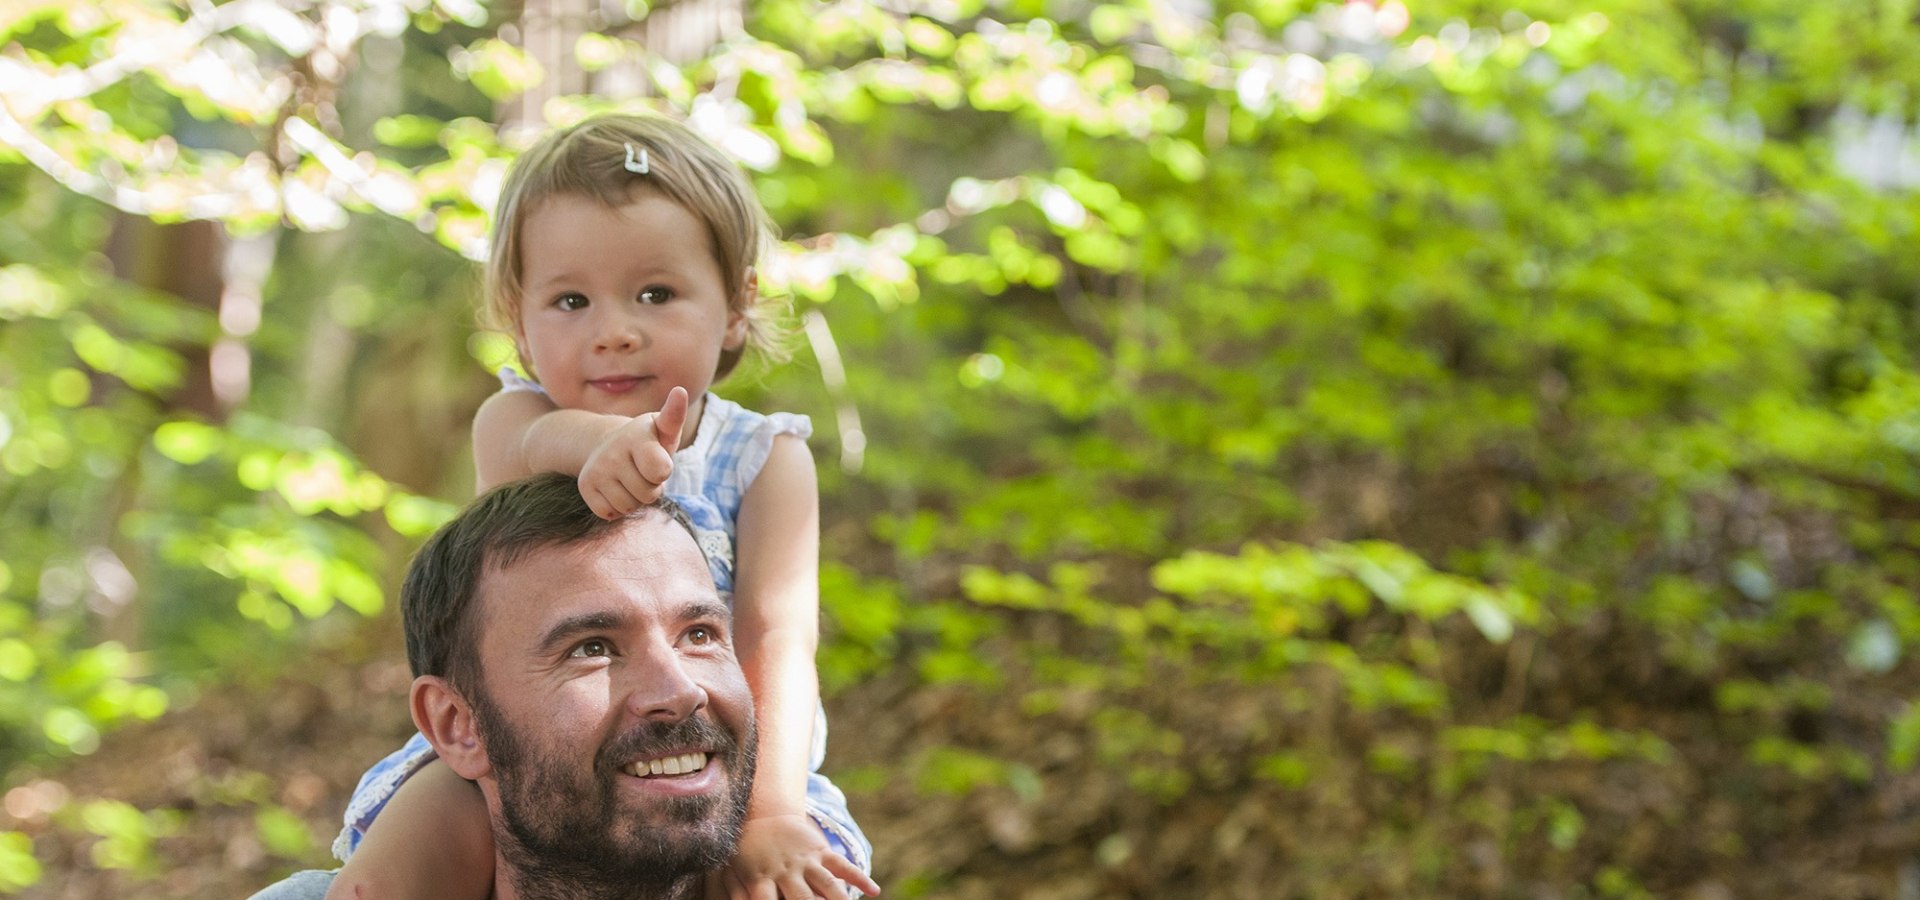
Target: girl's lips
x,y
619,384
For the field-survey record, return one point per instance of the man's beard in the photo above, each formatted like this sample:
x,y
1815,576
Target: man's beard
x,y
562,831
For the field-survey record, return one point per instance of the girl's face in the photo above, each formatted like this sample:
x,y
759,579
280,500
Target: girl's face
x,y
620,305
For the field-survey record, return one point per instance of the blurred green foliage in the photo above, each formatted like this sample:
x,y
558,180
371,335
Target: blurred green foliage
x,y
1528,379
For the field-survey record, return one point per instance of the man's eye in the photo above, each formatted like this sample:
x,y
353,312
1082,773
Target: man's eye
x,y
595,647
571,302
701,634
656,295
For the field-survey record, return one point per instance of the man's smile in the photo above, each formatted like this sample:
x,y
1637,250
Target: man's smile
x,y
677,775
682,764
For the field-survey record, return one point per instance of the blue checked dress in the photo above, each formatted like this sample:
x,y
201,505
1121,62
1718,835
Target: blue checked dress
x,y
709,479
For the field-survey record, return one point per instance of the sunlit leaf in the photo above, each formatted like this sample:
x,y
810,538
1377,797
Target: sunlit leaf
x,y
283,833
502,70
187,443
18,867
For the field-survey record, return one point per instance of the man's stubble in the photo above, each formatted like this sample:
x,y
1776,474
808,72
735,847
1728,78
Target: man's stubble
x,y
563,834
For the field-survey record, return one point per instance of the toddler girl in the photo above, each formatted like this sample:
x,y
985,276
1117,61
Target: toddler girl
x,y
623,266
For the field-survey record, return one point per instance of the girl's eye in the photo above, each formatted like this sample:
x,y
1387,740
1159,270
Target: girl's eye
x,y
570,302
656,295
594,647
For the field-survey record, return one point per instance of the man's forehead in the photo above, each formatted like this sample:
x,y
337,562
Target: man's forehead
x,y
651,534
651,561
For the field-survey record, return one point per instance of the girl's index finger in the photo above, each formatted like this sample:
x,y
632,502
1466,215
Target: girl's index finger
x,y
672,416
846,871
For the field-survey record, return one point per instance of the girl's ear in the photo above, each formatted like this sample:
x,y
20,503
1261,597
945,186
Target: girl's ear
x,y
446,719
737,315
520,350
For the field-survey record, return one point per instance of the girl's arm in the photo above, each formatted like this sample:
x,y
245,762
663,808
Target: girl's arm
x,y
621,462
776,611
432,840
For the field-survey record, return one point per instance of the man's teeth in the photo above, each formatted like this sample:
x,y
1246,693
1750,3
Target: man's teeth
x,y
669,765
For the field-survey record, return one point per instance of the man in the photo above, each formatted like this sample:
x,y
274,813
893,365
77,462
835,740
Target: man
x,y
581,673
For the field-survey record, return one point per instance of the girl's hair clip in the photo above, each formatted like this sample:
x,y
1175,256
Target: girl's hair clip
x,y
637,164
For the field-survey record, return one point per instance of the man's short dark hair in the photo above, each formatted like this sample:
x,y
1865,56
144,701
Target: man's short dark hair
x,y
496,530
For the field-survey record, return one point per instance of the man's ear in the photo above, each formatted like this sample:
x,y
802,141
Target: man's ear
x,y
445,718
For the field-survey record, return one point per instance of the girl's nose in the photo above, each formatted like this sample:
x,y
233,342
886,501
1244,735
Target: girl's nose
x,y
619,333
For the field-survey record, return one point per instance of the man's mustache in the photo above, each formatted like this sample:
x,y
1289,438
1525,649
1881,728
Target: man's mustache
x,y
650,739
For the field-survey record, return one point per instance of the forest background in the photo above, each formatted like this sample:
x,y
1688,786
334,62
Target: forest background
x,y
1268,448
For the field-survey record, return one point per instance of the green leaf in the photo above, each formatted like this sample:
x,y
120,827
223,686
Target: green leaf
x,y
187,443
18,868
407,130
17,660
501,70
1903,739
283,833
1490,617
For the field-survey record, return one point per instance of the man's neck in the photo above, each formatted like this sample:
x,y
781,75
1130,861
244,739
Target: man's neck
x,y
512,883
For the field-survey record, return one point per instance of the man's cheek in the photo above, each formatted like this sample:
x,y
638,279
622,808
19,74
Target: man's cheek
x,y
726,685
575,701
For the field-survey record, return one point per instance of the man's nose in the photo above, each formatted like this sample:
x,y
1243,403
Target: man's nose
x,y
661,688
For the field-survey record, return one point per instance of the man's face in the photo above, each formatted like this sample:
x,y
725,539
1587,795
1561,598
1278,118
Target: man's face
x,y
615,717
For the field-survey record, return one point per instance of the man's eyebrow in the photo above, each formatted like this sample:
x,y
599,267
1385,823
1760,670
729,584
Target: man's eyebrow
x,y
705,609
565,629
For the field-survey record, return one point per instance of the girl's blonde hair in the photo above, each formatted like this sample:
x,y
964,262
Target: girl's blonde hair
x,y
589,159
